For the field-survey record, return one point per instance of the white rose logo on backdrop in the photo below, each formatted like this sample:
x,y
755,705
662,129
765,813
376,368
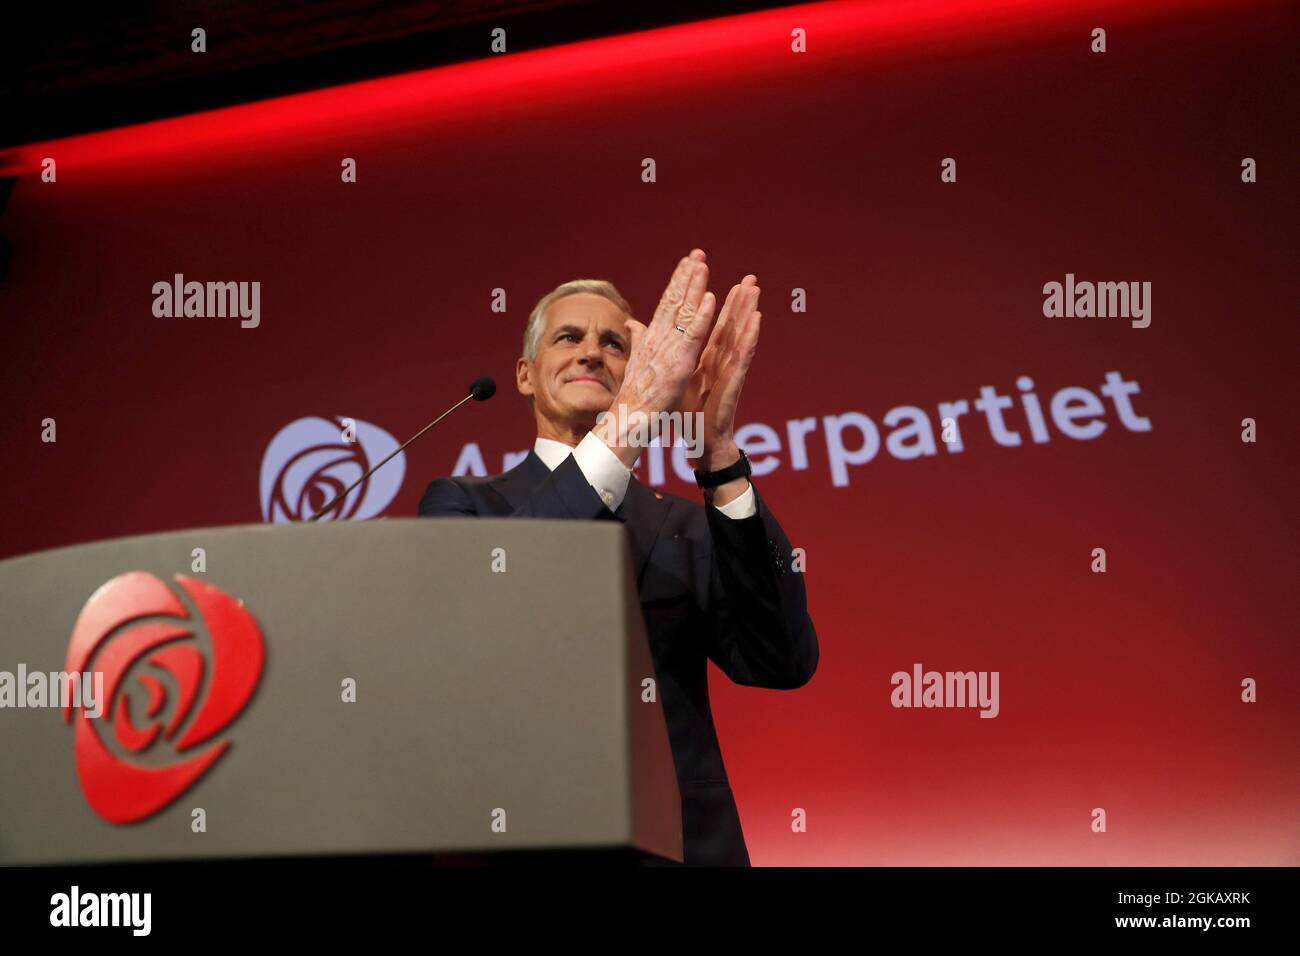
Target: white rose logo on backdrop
x,y
310,460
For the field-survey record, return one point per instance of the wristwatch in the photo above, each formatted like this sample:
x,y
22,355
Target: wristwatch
x,y
711,479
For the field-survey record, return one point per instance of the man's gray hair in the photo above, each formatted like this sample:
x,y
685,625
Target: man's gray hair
x,y
537,319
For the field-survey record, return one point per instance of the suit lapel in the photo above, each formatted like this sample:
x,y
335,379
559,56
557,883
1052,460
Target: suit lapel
x,y
518,483
642,511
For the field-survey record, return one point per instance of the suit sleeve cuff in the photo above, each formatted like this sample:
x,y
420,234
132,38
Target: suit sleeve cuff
x,y
741,507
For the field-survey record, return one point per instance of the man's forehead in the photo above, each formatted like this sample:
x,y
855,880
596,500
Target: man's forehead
x,y
581,308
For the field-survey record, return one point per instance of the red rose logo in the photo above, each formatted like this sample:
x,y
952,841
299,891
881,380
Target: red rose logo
x,y
309,461
185,690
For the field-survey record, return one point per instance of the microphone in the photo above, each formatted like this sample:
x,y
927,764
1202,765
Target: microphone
x,y
481,389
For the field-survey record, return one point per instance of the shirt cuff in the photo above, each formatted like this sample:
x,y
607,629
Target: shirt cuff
x,y
740,507
603,470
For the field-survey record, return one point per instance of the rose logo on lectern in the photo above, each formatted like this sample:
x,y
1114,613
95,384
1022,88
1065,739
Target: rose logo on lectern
x,y
309,461
159,676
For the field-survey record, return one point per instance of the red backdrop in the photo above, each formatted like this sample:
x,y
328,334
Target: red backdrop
x,y
818,171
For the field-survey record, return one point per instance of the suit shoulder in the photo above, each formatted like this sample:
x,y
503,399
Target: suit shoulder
x,y
474,481
453,495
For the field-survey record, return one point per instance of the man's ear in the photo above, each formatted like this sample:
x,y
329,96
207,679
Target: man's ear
x,y
523,376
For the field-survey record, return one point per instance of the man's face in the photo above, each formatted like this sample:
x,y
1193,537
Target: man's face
x,y
580,361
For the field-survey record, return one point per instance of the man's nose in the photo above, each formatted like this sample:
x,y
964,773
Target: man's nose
x,y
592,354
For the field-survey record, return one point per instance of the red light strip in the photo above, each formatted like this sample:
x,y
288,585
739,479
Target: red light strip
x,y
665,60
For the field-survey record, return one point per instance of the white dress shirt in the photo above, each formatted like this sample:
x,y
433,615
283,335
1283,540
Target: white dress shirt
x,y
609,476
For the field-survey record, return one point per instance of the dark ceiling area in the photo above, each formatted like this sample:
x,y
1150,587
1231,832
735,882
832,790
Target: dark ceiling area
x,y
75,70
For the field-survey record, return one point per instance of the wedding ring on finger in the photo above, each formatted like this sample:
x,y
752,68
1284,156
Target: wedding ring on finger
x,y
680,329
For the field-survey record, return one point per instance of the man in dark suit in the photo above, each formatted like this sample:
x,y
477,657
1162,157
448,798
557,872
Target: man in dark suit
x,y
716,581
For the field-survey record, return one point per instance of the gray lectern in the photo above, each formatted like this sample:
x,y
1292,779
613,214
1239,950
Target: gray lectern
x,y
390,687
